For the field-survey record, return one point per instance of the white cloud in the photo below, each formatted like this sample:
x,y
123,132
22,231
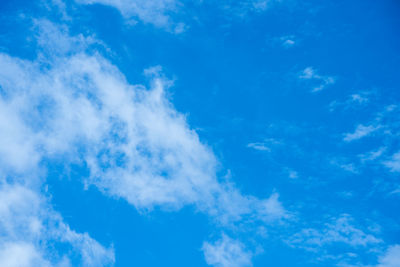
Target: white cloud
x,y
311,74
288,43
340,230
136,145
260,5
21,254
391,258
156,12
344,165
259,146
372,155
271,209
293,174
394,163
285,41
396,191
27,224
349,167
265,145
358,98
360,132
163,13
243,8
353,101
227,252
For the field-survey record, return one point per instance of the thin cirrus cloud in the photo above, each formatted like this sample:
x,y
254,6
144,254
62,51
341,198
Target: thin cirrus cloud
x,y
156,12
393,163
341,230
288,43
244,8
266,145
344,231
360,132
359,98
321,81
259,146
292,174
372,155
227,252
161,13
135,144
354,101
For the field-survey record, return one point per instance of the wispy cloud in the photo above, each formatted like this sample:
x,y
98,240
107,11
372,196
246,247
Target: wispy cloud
x,y
285,41
265,145
288,43
293,174
328,241
340,230
372,155
227,252
394,163
353,101
311,74
345,165
166,14
156,12
349,167
28,224
360,132
259,146
391,258
246,8
358,98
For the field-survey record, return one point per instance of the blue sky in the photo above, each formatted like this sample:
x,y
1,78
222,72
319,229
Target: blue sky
x,y
199,133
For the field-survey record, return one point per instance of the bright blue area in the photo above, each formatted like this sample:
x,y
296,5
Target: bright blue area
x,y
238,85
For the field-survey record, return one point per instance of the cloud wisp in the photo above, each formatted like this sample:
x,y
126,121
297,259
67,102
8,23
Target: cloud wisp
x,y
227,252
393,163
341,230
156,12
311,74
360,132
